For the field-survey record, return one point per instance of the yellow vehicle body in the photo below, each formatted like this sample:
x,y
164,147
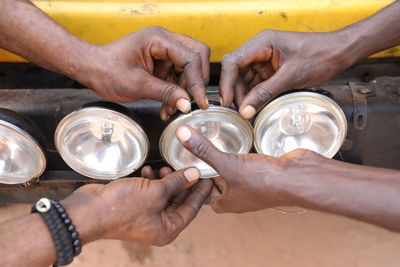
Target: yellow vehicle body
x,y
223,25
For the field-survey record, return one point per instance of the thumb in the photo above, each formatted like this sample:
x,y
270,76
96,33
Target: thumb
x,y
178,181
201,147
167,93
264,92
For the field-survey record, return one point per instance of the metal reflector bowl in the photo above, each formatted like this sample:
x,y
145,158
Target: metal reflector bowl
x,y
300,120
102,140
222,126
22,157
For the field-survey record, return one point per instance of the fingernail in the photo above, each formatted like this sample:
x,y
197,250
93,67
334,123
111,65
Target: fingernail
x,y
183,105
192,174
221,101
183,134
248,112
206,99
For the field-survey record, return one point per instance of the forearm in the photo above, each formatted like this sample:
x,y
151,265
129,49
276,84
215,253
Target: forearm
x,y
373,34
26,241
364,193
27,31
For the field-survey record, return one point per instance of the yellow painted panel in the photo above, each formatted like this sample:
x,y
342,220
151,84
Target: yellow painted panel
x,y
223,25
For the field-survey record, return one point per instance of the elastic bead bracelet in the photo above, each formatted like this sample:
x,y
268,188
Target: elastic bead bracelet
x,y
63,232
76,242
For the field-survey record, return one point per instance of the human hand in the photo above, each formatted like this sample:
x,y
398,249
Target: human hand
x,y
150,173
138,209
248,182
275,61
152,63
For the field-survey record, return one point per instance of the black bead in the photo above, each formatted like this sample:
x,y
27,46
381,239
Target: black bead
x,y
77,250
71,228
60,209
63,232
74,235
77,243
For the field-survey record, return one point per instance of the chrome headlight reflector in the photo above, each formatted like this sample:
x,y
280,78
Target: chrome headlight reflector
x,y
222,126
22,155
300,120
102,140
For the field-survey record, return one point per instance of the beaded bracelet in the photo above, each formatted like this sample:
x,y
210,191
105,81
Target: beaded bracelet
x,y
63,232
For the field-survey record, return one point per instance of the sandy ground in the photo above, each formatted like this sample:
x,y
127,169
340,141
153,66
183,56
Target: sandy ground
x,y
265,238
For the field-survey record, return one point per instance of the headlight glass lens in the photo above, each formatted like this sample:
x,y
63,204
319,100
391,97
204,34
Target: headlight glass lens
x,y
222,126
300,120
101,143
21,157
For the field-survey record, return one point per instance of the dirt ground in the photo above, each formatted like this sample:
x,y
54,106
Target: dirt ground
x,y
265,238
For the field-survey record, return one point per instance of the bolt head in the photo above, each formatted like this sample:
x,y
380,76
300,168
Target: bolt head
x,y
365,90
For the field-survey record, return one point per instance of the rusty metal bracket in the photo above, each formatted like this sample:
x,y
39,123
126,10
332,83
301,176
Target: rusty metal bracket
x,y
360,91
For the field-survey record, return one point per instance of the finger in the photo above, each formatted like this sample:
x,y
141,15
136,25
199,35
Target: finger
x,y
164,171
264,92
162,69
240,58
190,207
167,93
178,199
221,185
248,75
202,49
166,111
264,69
256,80
229,75
216,192
180,180
181,80
148,172
200,146
190,61
213,196
240,91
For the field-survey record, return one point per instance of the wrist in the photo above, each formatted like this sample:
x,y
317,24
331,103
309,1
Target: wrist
x,y
356,43
347,48
301,177
86,213
85,63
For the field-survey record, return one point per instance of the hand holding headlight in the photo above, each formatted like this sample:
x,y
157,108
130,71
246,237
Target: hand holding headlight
x,y
138,209
248,182
275,61
152,63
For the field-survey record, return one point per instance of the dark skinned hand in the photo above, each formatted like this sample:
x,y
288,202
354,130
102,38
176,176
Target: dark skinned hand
x,y
145,210
152,63
247,182
150,173
275,61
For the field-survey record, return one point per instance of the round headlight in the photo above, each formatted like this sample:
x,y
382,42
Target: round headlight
x,y
22,157
102,140
222,126
300,120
